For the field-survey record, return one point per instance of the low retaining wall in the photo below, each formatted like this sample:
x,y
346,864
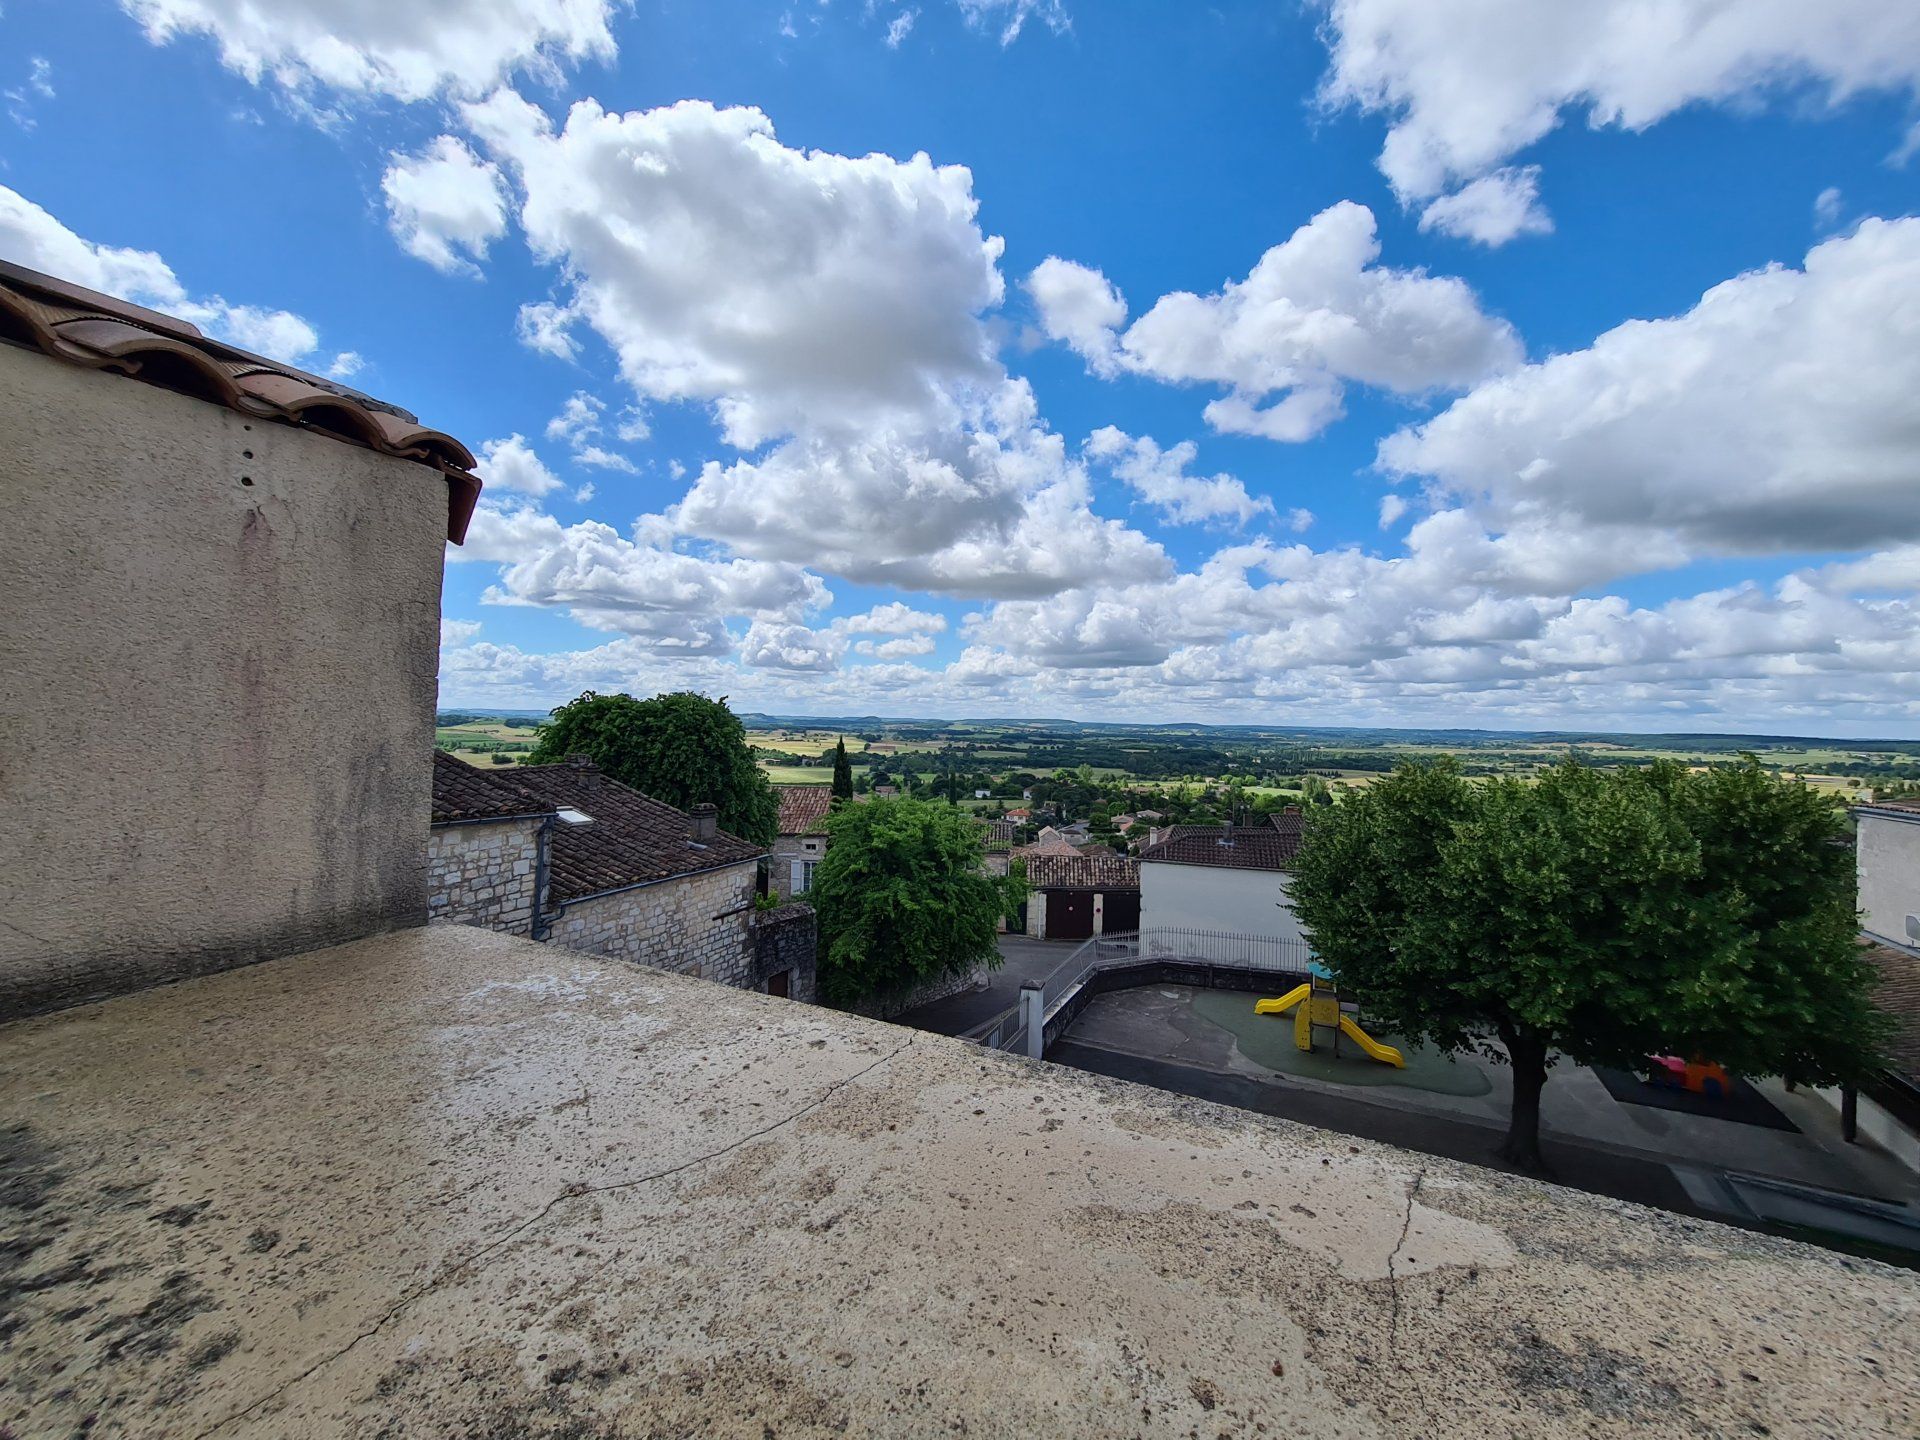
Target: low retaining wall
x,y
1202,974
897,1002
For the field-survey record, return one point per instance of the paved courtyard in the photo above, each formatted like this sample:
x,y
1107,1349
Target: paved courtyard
x,y
1209,1043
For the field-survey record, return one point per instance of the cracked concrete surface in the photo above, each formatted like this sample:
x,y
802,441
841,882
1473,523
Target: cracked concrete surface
x,y
446,1183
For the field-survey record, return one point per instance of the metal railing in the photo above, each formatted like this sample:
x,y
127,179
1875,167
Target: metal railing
x,y
1023,1028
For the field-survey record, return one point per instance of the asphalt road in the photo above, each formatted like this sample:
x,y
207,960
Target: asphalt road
x,y
1021,959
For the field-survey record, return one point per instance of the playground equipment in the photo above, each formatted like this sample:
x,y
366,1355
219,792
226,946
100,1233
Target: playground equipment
x,y
1697,1076
1316,1004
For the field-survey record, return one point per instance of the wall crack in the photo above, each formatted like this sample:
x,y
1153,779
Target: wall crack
x,y
571,1193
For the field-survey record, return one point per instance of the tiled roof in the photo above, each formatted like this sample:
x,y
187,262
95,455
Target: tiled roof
x,y
1899,995
1245,847
1907,804
465,792
997,835
83,327
632,839
1074,871
803,808
1052,845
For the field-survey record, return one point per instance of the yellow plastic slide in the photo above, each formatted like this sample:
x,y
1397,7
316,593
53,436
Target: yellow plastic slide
x,y
1304,1022
1285,1003
1385,1054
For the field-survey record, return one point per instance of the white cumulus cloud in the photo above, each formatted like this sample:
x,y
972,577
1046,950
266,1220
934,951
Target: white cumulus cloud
x,y
1466,86
1778,414
408,49
30,236
510,464
1314,315
1492,210
1160,478
445,205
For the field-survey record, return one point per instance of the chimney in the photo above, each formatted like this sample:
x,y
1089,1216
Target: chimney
x,y
703,821
585,771
1289,809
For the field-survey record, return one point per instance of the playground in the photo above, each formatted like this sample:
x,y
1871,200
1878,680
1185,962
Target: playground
x,y
1614,1133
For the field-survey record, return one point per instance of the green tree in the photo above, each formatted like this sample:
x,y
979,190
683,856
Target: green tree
x,y
842,772
1598,915
903,897
682,749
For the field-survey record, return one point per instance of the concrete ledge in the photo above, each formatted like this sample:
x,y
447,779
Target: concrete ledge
x,y
447,1183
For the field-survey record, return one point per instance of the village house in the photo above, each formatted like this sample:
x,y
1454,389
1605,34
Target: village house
x,y
802,838
1887,847
1076,896
1223,878
996,841
565,854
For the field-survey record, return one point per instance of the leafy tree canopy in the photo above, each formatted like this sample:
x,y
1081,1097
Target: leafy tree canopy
x,y
1601,915
902,898
682,749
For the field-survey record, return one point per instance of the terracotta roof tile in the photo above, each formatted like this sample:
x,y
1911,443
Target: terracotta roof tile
x,y
1074,871
466,792
997,835
83,327
1899,995
1051,845
803,808
1904,803
631,839
1245,847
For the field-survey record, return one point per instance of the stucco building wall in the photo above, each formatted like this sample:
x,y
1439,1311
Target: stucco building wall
x,y
692,924
1889,859
218,643
1216,897
483,874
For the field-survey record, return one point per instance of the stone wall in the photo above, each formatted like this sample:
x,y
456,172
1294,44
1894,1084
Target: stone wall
x,y
898,1002
483,874
789,851
217,686
692,924
786,941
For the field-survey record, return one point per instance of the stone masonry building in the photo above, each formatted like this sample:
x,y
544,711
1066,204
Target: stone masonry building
x,y
802,838
487,850
565,854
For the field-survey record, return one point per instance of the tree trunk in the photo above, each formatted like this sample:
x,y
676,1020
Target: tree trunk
x,y
1529,1056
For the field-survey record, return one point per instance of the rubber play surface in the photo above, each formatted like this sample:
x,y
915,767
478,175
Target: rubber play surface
x,y
1268,1040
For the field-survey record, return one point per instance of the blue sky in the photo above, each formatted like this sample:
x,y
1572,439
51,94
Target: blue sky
x,y
1323,363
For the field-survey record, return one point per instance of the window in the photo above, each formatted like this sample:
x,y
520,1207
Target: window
x,y
807,867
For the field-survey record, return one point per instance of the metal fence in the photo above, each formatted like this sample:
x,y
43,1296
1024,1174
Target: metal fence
x,y
1222,947
1006,1031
